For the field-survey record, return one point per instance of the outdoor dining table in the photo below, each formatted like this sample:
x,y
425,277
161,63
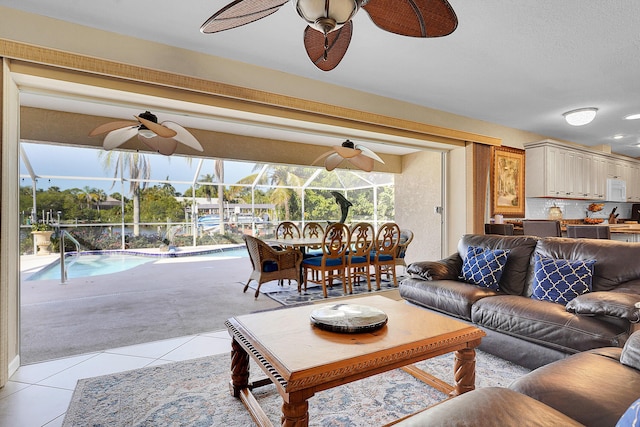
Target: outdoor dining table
x,y
297,242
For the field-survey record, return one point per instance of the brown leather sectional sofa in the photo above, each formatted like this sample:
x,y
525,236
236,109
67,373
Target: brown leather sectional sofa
x,y
592,388
525,330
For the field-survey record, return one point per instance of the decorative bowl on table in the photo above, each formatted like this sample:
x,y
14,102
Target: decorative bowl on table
x,y
348,318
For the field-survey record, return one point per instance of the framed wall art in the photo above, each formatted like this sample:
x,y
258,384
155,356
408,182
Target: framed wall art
x,y
507,182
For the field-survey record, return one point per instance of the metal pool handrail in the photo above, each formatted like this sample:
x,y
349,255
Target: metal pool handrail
x,y
63,267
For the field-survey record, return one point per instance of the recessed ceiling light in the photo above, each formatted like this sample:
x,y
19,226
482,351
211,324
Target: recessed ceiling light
x,y
618,136
633,116
581,116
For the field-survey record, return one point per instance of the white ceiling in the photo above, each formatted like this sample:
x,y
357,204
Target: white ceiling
x,y
516,63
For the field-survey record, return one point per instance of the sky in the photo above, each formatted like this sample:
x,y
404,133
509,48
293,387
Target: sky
x,y
56,160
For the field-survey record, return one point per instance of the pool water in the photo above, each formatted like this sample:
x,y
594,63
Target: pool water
x,y
87,265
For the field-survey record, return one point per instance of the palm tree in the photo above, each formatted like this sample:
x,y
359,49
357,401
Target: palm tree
x,y
138,167
283,176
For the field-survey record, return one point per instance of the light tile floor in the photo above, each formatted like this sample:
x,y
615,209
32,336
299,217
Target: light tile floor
x,y
39,394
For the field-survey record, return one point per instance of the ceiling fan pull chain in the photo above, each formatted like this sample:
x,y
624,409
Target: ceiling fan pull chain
x,y
326,47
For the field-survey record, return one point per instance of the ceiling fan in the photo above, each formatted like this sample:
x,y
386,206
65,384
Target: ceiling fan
x,y
328,34
356,154
162,137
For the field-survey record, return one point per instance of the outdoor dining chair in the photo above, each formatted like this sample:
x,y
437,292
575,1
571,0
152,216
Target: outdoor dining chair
x,y
332,264
383,257
271,264
406,237
315,230
358,262
287,230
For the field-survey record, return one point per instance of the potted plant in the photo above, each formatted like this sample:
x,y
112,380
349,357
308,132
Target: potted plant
x,y
42,237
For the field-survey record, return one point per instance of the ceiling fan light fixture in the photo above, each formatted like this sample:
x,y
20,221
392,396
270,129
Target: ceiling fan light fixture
x,y
581,116
145,132
326,15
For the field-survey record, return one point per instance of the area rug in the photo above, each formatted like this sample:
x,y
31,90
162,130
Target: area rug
x,y
287,294
196,393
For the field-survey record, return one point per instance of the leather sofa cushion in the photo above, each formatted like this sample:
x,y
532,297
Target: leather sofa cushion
x,y
516,270
546,323
588,387
610,303
447,296
616,262
489,407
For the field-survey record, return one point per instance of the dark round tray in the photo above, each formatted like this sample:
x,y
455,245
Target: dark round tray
x,y
348,318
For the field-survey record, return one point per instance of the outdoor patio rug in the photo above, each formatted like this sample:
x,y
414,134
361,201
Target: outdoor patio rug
x,y
196,393
287,294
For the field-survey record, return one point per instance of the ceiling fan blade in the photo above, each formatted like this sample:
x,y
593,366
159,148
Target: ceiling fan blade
x,y
166,146
322,156
369,153
337,44
346,152
158,129
332,161
362,162
415,18
183,136
117,137
111,126
240,12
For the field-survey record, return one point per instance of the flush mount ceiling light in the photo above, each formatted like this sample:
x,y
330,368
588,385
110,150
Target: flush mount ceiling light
x,y
633,116
162,137
329,22
581,116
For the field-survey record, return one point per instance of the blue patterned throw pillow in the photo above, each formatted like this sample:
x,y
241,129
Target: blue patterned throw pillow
x,y
483,266
561,280
631,418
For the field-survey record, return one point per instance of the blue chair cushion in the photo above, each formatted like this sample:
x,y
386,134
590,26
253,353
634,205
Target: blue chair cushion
x,y
383,257
312,253
269,267
358,260
317,261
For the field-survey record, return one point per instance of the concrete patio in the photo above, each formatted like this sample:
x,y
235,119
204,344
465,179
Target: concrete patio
x,y
165,298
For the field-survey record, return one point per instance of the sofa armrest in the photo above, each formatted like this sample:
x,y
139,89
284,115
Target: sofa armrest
x,y
606,303
445,269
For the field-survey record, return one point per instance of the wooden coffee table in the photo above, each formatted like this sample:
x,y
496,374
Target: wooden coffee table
x,y
301,359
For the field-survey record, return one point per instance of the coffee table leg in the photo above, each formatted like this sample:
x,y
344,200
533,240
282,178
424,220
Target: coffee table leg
x,y
239,369
295,414
465,371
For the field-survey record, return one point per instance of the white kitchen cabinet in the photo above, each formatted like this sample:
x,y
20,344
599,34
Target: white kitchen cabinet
x,y
556,172
615,168
555,169
598,177
632,177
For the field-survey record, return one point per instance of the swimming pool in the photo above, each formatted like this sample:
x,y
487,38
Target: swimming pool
x,y
95,264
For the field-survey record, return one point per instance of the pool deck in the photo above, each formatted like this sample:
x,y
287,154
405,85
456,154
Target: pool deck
x,y
165,298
